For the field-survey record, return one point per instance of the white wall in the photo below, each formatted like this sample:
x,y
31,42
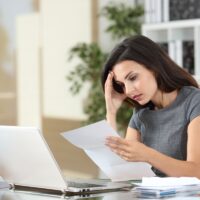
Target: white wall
x,y
9,9
63,24
28,72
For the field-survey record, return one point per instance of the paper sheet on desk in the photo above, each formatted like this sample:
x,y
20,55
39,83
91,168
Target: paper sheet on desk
x,y
168,181
91,138
167,187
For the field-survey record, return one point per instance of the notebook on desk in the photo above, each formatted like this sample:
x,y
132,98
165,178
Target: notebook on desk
x,y
27,163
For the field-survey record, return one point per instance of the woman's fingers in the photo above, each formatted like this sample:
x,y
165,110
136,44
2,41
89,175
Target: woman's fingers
x,y
117,143
126,149
108,84
123,154
116,140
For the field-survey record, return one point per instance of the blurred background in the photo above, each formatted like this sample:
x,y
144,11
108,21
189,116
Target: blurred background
x,y
40,86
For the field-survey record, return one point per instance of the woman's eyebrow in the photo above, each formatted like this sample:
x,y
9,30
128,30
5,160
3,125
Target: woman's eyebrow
x,y
128,75
124,77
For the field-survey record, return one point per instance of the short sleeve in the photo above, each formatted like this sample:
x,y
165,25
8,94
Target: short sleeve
x,y
193,109
134,121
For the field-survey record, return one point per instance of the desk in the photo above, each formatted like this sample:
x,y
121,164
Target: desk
x,y
12,195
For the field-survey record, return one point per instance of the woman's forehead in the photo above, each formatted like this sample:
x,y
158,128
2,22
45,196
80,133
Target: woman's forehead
x,y
126,66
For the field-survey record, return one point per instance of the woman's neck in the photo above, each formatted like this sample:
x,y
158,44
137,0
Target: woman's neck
x,y
163,100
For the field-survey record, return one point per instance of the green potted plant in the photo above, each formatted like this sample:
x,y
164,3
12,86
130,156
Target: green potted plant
x,y
123,21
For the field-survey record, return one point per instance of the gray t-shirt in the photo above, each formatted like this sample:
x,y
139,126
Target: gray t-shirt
x,y
166,129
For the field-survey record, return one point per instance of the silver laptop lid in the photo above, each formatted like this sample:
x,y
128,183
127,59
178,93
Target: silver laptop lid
x,y
25,159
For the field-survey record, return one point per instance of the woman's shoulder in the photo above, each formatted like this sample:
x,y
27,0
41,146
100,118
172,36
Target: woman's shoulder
x,y
192,102
190,92
191,88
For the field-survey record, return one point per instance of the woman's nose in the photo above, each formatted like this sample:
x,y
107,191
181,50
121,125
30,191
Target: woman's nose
x,y
127,90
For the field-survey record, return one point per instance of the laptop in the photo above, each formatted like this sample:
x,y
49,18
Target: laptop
x,y
27,163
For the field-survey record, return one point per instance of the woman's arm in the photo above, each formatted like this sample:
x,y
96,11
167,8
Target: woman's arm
x,y
132,134
131,149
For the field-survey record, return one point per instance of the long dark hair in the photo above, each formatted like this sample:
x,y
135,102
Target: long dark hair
x,y
168,74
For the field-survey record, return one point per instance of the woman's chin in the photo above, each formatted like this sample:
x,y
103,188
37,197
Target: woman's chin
x,y
142,102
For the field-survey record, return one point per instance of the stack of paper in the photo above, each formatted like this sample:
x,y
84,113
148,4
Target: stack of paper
x,y
164,187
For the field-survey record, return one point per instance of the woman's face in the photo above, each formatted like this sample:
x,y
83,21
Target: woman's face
x,y
138,82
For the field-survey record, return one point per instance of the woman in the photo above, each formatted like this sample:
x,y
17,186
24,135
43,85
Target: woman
x,y
164,130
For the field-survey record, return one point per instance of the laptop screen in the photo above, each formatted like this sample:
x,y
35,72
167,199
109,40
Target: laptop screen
x,y
25,159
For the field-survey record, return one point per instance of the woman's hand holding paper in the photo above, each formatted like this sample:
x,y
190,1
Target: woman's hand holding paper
x,y
127,149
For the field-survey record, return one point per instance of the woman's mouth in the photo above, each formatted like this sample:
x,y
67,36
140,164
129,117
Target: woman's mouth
x,y
137,97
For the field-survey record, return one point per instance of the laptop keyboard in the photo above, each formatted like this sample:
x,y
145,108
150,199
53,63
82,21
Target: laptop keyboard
x,y
82,185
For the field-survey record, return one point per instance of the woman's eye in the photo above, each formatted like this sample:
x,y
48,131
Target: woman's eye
x,y
132,78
